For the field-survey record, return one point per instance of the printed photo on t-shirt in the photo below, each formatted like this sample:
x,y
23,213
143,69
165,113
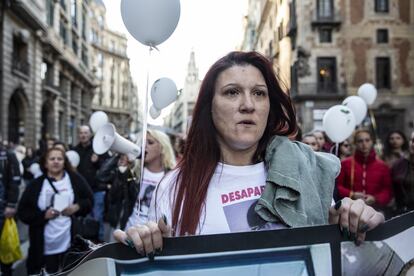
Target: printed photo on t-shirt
x,y
239,207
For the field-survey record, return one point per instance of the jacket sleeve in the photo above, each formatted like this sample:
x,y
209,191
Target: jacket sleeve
x,y
384,195
343,189
84,195
12,180
105,174
28,211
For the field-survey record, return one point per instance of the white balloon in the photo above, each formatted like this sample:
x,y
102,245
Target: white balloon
x,y
358,107
151,22
368,92
163,92
154,112
338,123
97,119
35,170
73,157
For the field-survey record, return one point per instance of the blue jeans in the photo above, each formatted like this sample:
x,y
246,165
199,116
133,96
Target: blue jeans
x,y
98,211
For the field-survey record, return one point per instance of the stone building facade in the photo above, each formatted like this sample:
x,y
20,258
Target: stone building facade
x,y
46,83
116,93
55,72
323,50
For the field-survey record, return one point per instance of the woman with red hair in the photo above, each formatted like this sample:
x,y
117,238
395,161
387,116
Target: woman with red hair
x,y
234,163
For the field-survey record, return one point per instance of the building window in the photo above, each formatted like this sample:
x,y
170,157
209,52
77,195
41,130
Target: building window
x,y
383,72
85,55
382,36
74,12
325,35
20,54
325,9
62,31
84,23
381,6
75,43
327,75
50,12
63,4
100,59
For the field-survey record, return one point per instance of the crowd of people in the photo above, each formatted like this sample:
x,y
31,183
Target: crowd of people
x,y
105,188
238,170
384,179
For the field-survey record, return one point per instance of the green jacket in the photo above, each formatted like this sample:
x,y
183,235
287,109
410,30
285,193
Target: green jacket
x,y
299,184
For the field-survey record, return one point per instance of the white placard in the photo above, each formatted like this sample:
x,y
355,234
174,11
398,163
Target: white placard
x,y
61,201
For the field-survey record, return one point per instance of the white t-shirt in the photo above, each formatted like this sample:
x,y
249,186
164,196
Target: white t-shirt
x,y
57,231
230,201
149,183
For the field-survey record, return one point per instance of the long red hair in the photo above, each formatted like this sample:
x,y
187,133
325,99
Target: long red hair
x,y
202,151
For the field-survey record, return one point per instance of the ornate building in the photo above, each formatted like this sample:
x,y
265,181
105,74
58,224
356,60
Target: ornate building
x,y
56,55
46,82
116,93
323,50
180,117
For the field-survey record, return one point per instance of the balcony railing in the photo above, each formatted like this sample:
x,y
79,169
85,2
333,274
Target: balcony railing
x,y
315,91
21,66
331,20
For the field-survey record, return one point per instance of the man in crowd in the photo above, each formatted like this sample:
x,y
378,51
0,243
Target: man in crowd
x,y
364,176
88,165
9,191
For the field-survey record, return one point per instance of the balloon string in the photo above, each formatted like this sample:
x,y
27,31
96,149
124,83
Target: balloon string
x,y
144,129
374,123
337,149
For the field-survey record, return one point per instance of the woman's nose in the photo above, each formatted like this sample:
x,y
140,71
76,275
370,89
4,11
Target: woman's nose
x,y
247,103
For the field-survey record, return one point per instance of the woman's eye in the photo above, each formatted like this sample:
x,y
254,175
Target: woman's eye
x,y
231,92
260,93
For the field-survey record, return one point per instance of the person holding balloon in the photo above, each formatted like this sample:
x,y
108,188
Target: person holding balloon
x,y
238,155
364,176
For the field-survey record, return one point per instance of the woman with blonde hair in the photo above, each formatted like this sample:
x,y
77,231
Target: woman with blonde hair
x,y
159,159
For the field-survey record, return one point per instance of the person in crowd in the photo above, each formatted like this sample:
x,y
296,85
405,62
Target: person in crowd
x,y
364,176
9,191
324,142
159,159
47,206
44,144
88,165
60,145
123,187
403,180
310,140
179,144
20,152
237,154
395,147
344,151
27,161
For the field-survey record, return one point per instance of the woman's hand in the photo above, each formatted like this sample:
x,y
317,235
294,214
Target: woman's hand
x,y
70,210
51,213
145,238
355,218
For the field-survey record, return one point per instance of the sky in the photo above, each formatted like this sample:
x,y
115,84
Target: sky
x,y
211,28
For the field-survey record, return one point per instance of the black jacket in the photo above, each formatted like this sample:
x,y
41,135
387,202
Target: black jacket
x,y
88,169
29,212
121,197
9,181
